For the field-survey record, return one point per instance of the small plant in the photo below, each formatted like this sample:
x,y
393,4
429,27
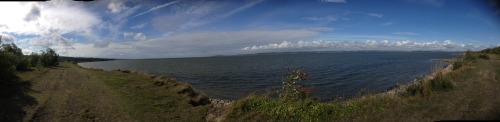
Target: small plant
x,y
484,56
457,63
292,89
471,56
441,83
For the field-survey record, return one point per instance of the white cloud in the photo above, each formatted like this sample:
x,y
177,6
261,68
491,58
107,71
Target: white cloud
x,y
334,1
127,34
388,24
378,15
375,15
138,26
122,17
46,22
140,37
135,36
6,38
34,14
191,44
116,6
53,40
447,45
52,15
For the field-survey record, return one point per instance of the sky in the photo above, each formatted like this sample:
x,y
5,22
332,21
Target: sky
x,y
135,29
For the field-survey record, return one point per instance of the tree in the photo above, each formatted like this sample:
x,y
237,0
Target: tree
x,y
20,61
49,58
7,64
34,59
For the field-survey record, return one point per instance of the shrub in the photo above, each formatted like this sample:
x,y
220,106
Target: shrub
x,y
34,59
457,63
49,58
292,89
470,56
441,83
412,90
20,61
7,66
484,56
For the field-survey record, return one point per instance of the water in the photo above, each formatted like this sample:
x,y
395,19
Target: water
x,y
332,74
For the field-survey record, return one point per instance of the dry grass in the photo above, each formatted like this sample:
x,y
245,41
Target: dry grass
x,y
70,93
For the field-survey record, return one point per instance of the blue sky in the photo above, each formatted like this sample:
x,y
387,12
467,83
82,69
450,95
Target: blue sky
x,y
192,28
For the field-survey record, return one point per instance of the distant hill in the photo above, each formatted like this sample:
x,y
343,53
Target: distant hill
x,y
83,59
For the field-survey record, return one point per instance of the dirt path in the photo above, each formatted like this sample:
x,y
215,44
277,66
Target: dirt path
x,y
68,93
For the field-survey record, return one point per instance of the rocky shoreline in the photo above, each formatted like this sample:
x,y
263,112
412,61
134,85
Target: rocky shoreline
x,y
401,88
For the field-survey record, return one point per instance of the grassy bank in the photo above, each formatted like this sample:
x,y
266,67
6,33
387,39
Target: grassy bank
x,y
70,93
468,90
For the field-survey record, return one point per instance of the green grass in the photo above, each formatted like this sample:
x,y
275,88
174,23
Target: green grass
x,y
263,108
150,98
70,93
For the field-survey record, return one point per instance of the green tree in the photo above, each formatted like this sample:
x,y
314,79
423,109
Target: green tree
x,y
20,61
7,64
34,59
49,58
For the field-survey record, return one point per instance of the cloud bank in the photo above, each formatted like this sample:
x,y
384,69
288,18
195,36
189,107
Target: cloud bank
x,y
446,45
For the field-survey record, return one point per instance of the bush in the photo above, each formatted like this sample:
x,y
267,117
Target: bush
x,y
471,56
457,63
34,59
49,58
20,61
484,56
292,89
7,66
441,83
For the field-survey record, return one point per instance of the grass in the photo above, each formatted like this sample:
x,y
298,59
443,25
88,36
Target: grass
x,y
71,93
263,108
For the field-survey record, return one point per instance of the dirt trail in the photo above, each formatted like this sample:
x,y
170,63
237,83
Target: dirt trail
x,y
67,93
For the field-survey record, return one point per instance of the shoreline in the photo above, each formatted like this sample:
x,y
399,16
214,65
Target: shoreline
x,y
393,90
400,88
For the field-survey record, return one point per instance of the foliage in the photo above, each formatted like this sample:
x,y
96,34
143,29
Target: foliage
x,y
495,50
471,56
13,92
7,65
263,108
34,59
20,61
457,63
292,89
441,83
49,58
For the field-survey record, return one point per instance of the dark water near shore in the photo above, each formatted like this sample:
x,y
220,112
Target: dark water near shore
x,y
332,74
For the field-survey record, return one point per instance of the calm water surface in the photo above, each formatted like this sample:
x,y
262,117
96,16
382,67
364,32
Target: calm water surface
x,y
332,74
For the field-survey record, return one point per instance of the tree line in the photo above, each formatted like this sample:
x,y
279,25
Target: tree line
x,y
12,59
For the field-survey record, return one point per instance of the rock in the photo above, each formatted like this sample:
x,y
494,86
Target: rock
x,y
199,99
183,88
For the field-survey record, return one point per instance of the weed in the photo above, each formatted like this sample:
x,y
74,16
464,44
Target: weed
x,y
441,83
